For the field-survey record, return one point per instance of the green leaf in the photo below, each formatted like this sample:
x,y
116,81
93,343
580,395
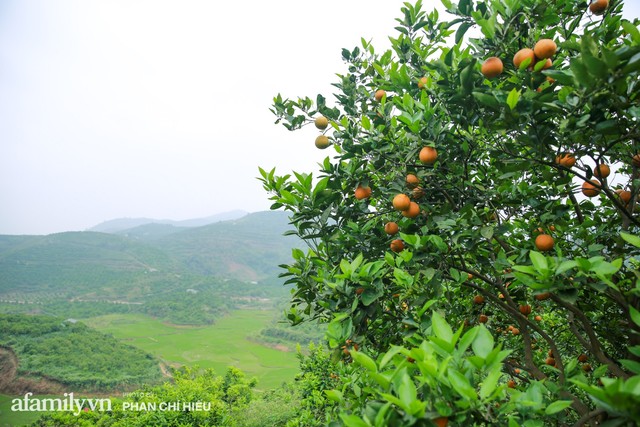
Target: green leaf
x,y
440,327
365,361
487,232
564,266
558,406
335,395
539,261
462,29
632,30
631,239
483,343
513,98
490,382
461,384
353,421
635,315
486,99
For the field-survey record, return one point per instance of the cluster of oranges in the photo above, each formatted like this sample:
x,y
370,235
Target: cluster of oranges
x,y
543,50
322,141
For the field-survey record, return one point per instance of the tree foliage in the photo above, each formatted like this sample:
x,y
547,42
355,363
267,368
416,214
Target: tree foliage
x,y
554,330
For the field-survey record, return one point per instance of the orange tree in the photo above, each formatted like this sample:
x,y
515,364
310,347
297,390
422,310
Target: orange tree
x,y
509,292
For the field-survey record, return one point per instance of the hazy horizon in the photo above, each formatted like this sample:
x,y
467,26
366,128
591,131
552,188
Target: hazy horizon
x,y
161,109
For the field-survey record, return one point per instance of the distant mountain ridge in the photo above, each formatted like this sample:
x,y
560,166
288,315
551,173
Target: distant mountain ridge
x,y
133,263
121,224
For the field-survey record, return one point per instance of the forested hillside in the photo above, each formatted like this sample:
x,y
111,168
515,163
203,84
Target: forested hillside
x,y
70,353
184,275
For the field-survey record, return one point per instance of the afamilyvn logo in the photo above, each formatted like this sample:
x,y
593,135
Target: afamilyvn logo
x,y
66,404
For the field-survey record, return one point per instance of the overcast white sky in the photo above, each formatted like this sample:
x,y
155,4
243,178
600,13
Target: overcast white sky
x,y
160,108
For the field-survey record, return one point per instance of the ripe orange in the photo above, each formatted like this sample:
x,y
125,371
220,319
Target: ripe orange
x,y
525,309
380,93
543,296
548,64
601,171
492,67
624,195
583,358
567,160
550,361
591,188
422,82
397,245
322,142
478,299
321,122
483,318
413,211
391,228
538,318
522,55
428,155
401,202
362,192
515,331
545,48
511,384
441,421
597,7
544,242
636,160
412,180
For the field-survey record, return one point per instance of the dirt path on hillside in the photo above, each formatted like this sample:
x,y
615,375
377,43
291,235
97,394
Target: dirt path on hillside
x,y
12,384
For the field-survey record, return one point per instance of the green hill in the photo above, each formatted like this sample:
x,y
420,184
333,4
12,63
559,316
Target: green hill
x,y
53,350
249,248
182,275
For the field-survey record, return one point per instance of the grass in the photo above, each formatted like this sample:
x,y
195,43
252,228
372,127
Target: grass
x,y
9,418
217,346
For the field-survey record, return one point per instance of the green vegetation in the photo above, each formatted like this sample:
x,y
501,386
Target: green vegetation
x,y
510,294
192,276
227,343
75,355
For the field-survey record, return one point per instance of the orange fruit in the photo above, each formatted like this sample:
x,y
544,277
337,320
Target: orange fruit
x,y
583,358
511,384
538,318
601,171
586,367
548,64
567,160
550,361
515,331
478,299
441,421
380,93
525,309
428,155
412,180
544,242
542,296
522,55
597,7
591,188
636,160
321,122
362,192
483,318
413,211
391,228
397,245
624,195
322,142
422,82
401,202
545,48
492,67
